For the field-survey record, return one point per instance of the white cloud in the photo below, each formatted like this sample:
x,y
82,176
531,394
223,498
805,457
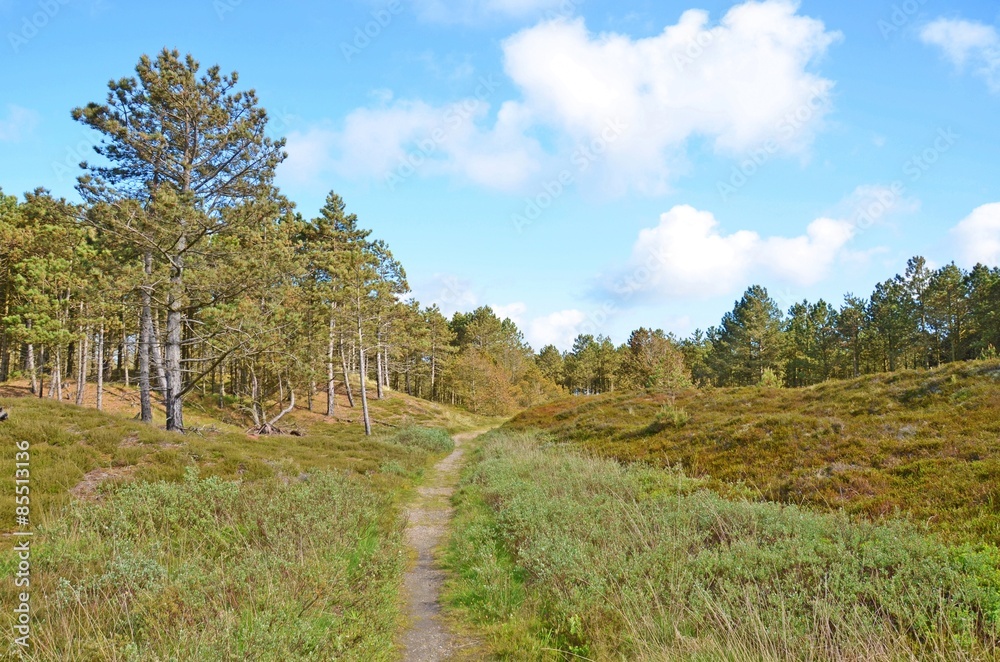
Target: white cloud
x,y
978,236
743,84
967,44
18,124
687,255
474,11
514,311
399,140
559,328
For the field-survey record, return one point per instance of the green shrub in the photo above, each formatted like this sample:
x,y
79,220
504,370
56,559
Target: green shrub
x,y
669,416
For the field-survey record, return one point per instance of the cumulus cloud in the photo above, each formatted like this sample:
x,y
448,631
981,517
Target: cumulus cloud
x,y
741,83
967,44
619,109
559,328
687,255
17,124
978,236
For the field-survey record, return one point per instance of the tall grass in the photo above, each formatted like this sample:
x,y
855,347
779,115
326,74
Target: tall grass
x,y
208,569
559,555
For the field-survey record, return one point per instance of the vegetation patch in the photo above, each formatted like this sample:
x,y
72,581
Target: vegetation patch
x,y
559,555
918,443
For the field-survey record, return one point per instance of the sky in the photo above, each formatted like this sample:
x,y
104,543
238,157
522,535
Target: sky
x,y
582,166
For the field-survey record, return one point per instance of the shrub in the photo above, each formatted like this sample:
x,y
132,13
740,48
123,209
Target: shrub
x,y
669,416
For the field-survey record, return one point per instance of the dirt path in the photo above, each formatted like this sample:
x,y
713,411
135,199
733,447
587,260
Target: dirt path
x,y
428,638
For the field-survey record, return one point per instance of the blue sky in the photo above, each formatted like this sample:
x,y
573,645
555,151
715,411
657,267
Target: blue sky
x,y
582,166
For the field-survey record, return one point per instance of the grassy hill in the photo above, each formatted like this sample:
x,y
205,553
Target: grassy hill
x,y
215,544
924,444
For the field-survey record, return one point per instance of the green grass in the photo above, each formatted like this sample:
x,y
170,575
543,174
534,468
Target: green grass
x,y
433,440
215,545
559,556
921,444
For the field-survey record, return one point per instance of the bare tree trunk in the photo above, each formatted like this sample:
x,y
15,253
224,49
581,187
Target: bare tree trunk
x,y
256,409
32,371
361,373
57,382
126,362
378,369
347,382
100,368
156,356
81,373
172,348
290,407
330,389
146,348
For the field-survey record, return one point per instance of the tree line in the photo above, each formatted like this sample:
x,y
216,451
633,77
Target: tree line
x,y
919,319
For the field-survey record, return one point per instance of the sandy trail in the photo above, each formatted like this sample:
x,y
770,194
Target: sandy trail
x,y
428,638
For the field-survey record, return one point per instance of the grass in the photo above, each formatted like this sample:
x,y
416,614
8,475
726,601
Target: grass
x,y
557,555
216,545
921,444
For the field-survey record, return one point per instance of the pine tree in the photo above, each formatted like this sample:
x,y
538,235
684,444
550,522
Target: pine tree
x,y
192,152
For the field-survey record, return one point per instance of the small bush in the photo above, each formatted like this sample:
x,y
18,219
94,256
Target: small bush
x,y
434,440
669,416
770,379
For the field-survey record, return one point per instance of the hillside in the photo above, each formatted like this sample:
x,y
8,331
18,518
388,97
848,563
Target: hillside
x,y
925,444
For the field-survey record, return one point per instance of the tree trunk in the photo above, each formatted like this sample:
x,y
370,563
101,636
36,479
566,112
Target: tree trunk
x,y
289,408
378,371
361,373
330,389
57,381
81,373
256,408
100,368
173,346
145,348
347,382
32,371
